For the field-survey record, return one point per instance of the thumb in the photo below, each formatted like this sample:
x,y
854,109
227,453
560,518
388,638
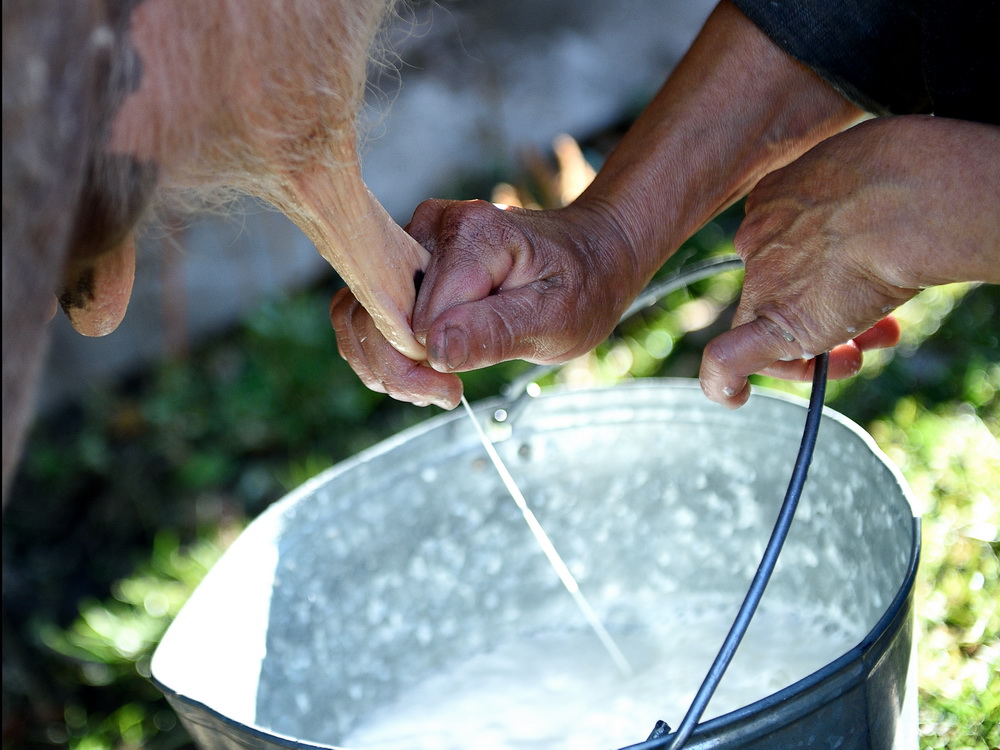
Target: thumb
x,y
500,327
748,348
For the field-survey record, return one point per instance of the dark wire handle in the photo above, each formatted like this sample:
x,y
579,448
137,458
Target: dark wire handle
x,y
517,391
678,739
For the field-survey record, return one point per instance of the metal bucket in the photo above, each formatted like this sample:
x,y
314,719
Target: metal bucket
x,y
410,559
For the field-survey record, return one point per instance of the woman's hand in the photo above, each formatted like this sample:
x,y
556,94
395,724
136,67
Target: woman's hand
x,y
502,283
849,231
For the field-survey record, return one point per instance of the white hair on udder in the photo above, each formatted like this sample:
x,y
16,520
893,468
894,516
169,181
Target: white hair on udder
x,y
237,94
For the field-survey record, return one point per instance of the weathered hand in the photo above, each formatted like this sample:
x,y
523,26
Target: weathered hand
x,y
547,285
509,283
849,231
502,284
381,366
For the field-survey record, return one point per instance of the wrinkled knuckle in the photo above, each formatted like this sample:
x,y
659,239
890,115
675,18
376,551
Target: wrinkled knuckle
x,y
477,225
467,215
573,329
508,337
718,361
716,354
427,212
790,333
747,238
506,340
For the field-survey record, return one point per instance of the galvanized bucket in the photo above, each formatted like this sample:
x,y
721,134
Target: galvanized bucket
x,y
365,585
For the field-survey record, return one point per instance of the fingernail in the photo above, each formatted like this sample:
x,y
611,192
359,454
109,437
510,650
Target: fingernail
x,y
451,350
457,347
729,391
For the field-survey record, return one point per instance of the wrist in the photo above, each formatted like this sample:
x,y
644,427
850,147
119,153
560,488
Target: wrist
x,y
938,179
616,243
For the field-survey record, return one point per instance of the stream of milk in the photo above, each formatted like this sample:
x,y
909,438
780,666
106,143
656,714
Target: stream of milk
x,y
545,544
557,689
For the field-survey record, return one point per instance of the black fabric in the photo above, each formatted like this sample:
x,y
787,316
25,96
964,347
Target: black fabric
x,y
895,56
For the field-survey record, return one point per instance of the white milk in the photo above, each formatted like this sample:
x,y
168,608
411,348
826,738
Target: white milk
x,y
560,690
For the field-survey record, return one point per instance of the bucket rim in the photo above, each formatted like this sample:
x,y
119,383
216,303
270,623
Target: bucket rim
x,y
802,697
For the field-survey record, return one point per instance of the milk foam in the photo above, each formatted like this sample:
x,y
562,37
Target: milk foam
x,y
559,689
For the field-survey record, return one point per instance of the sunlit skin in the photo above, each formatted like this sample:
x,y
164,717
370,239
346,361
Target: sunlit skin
x,y
857,223
549,285
854,228
219,123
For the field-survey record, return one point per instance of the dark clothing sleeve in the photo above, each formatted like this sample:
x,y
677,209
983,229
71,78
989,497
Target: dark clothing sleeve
x,y
894,56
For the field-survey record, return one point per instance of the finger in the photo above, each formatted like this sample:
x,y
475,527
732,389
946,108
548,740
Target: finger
x,y
343,308
748,348
97,293
883,335
380,366
845,362
846,359
474,251
519,324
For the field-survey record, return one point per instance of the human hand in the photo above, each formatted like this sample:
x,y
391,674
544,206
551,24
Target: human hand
x,y
502,283
380,366
848,232
547,285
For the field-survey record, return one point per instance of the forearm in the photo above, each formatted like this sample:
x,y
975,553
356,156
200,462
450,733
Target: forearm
x,y
735,108
943,177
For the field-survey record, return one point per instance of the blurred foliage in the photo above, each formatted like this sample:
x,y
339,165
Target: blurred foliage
x,y
177,460
111,643
952,463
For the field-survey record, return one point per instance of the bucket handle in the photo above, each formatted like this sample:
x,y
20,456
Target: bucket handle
x,y
660,739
